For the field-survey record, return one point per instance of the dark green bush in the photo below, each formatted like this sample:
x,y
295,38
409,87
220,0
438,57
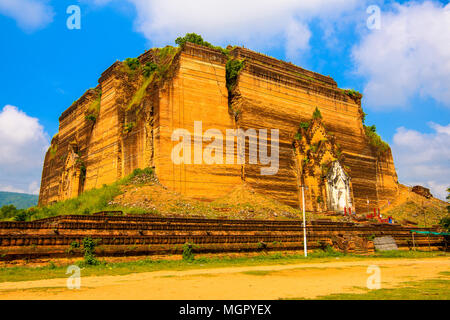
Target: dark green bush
x,y
375,140
8,211
197,39
149,68
448,200
193,38
128,127
233,68
304,125
445,223
364,115
22,215
317,114
88,250
91,117
353,93
188,252
132,63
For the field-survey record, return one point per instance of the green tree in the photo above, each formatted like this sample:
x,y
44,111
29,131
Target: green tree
x,y
193,38
132,63
88,250
10,211
448,200
317,114
149,68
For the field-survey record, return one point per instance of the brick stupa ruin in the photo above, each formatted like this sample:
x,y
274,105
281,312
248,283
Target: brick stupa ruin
x,y
126,122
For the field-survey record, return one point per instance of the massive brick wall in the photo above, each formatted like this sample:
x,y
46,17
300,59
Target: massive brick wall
x,y
270,94
197,93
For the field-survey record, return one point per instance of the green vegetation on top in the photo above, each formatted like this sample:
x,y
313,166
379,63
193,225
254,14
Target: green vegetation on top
x,y
132,63
353,93
19,200
157,70
193,38
375,140
198,39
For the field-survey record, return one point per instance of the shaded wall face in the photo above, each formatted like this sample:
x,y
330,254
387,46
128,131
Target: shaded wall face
x,y
73,127
96,142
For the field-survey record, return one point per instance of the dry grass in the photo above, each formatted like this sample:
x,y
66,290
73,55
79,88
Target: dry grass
x,y
416,208
241,203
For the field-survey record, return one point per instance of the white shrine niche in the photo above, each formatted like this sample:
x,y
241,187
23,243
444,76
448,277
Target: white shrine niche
x,y
338,188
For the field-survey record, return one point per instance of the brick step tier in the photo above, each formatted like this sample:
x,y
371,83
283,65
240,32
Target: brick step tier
x,y
48,236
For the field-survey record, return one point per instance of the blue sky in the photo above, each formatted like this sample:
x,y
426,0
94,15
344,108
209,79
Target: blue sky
x,y
402,68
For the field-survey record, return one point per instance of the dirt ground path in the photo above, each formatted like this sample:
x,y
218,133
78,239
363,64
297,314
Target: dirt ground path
x,y
306,280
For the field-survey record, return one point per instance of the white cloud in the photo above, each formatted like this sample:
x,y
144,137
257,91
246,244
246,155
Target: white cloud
x,y
30,15
409,55
424,158
257,24
23,143
297,38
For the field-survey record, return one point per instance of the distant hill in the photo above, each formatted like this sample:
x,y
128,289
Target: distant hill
x,y
19,200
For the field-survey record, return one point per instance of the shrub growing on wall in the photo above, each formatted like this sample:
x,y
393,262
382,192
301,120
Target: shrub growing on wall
x,y
197,39
93,109
188,252
149,68
88,250
233,68
304,125
317,114
132,63
375,140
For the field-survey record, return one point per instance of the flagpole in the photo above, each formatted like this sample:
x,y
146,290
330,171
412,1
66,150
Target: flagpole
x,y
305,249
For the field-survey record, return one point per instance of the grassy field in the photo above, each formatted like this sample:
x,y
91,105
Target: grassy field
x,y
434,289
24,273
